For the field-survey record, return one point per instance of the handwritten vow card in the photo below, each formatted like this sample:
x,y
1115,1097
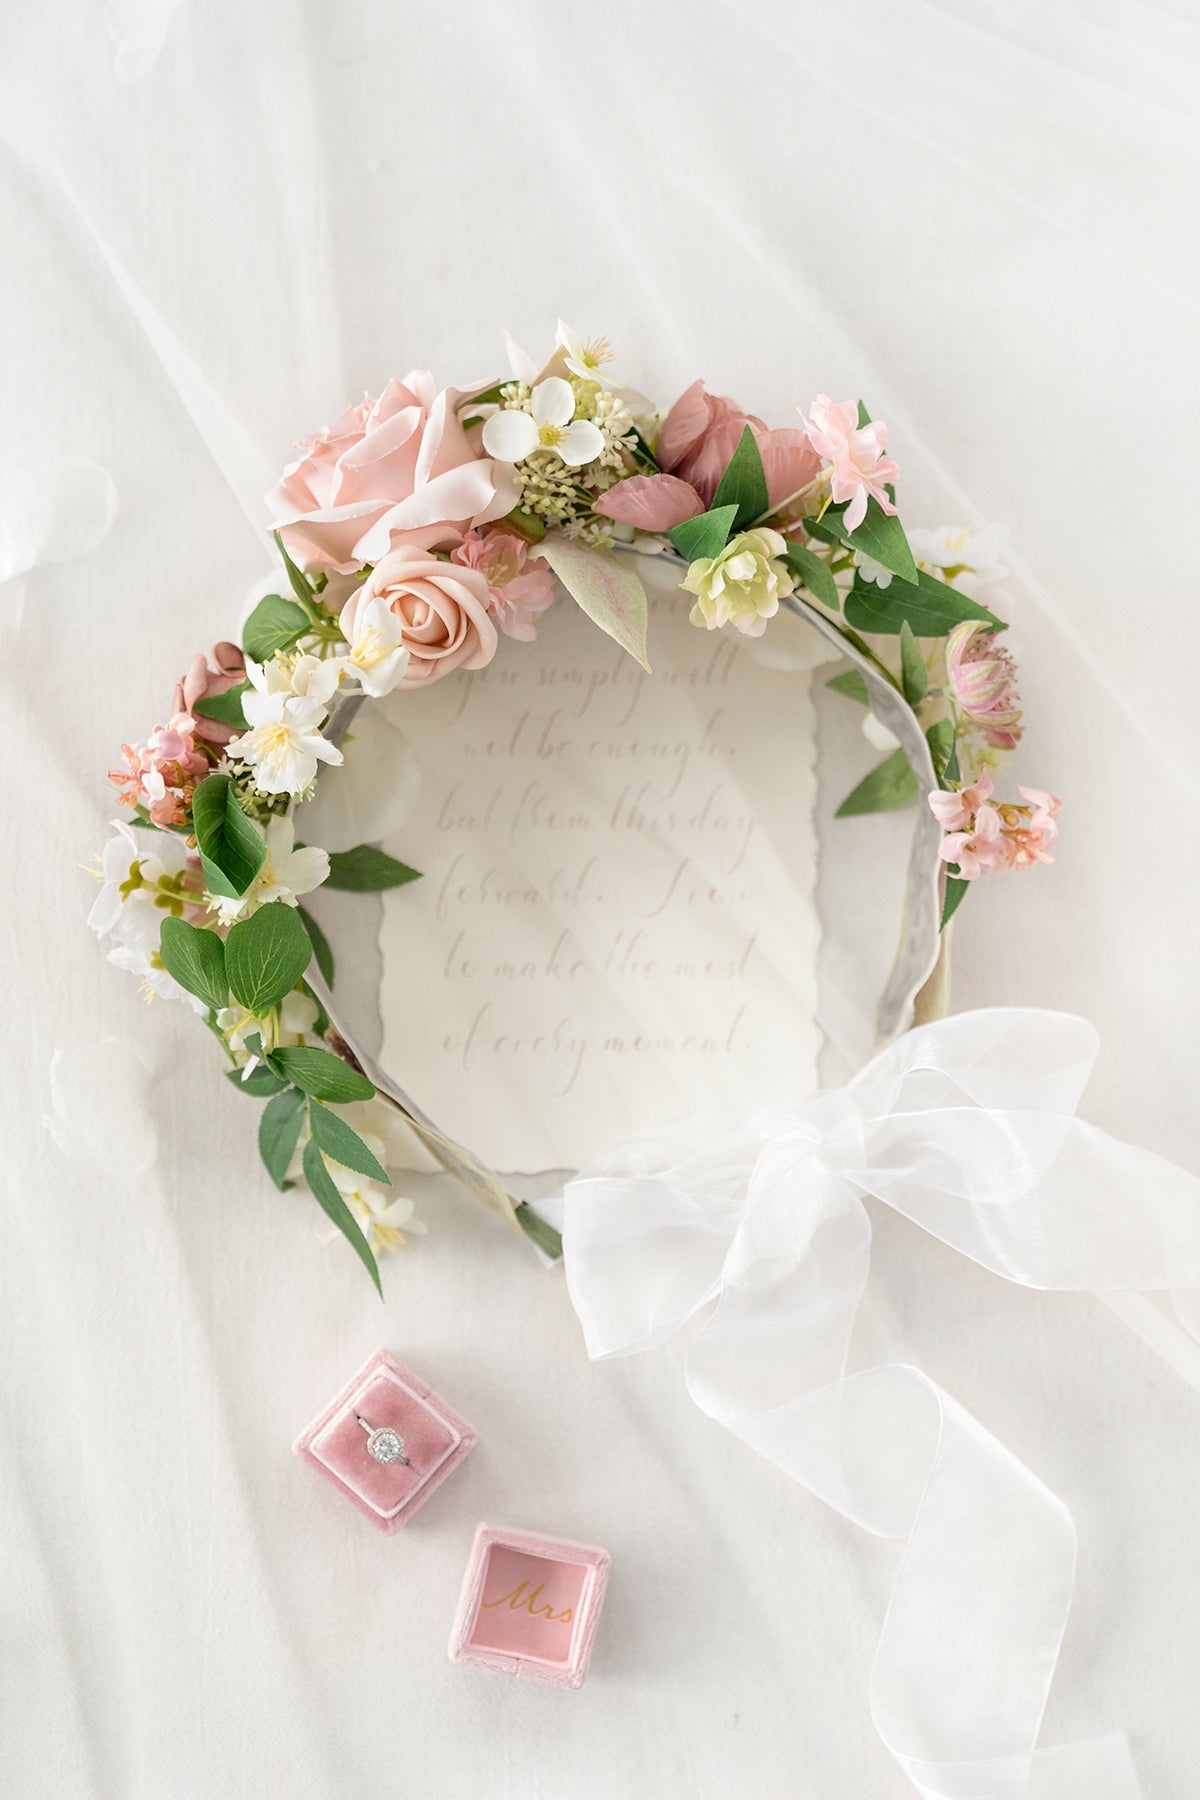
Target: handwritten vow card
x,y
616,920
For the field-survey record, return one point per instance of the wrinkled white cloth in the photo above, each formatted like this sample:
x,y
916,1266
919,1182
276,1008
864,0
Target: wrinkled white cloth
x,y
224,219
968,1128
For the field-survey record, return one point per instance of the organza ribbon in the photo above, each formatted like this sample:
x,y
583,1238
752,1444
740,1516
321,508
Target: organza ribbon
x,y
968,1128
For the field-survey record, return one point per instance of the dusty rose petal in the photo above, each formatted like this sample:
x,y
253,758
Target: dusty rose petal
x,y
651,502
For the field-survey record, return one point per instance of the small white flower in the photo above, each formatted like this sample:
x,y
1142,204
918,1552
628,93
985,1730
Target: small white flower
x,y
296,1025
285,875
378,655
306,677
969,557
511,434
141,873
285,708
873,571
583,358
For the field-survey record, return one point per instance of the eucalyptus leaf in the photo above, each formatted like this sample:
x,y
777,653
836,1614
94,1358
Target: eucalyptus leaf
x,y
279,1133
302,587
914,676
320,944
605,587
743,485
334,1206
231,850
700,539
226,707
889,785
275,624
813,571
320,1073
930,608
194,956
881,537
956,889
260,1083
337,1139
852,685
367,870
265,956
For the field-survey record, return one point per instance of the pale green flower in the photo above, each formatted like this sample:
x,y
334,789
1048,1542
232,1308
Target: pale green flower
x,y
743,586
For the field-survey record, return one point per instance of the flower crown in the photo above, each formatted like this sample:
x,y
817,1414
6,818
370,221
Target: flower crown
x,y
413,532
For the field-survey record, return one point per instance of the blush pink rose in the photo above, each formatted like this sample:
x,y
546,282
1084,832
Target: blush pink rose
x,y
397,467
699,436
204,683
520,587
442,607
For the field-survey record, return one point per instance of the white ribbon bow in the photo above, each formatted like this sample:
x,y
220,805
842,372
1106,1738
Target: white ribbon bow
x,y
967,1127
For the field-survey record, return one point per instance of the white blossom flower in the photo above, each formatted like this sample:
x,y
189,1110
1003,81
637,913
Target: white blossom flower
x,y
512,434
872,570
378,655
969,557
285,875
585,358
295,1024
285,708
146,877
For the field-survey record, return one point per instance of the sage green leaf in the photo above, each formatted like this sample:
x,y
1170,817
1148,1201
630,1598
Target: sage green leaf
x,y
367,870
320,1073
338,1140
279,1133
539,1231
940,738
890,784
952,772
226,707
881,537
605,587
914,676
265,956
813,572
302,587
700,539
320,944
275,624
930,608
956,889
852,685
864,417
231,850
743,485
334,1207
260,1083
195,958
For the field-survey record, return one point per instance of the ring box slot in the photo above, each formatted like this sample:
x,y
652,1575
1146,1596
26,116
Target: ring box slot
x,y
385,1393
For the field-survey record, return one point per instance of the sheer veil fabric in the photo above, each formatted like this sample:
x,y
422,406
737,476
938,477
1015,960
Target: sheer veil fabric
x,y
221,223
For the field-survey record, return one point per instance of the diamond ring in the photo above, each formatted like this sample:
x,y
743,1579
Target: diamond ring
x,y
384,1444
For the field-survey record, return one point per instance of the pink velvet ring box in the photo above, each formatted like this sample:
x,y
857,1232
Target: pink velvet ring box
x,y
530,1606
388,1397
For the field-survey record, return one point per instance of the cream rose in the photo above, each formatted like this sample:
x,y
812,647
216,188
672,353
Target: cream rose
x,y
743,586
442,609
402,465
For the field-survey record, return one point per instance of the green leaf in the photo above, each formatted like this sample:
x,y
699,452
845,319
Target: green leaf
x,y
955,890
332,1134
607,589
852,685
951,772
265,956
231,850
743,485
367,870
864,417
699,540
320,1073
195,958
539,1231
334,1206
260,1083
279,1133
940,738
914,676
881,537
275,624
813,571
930,607
891,784
302,587
226,707
320,944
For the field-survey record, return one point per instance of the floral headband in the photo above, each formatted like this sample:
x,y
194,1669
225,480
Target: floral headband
x,y
415,531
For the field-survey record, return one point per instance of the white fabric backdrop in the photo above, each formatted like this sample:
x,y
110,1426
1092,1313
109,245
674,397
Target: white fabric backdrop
x,y
220,221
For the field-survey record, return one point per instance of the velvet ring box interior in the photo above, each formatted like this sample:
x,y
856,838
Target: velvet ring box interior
x,y
530,1606
388,1397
